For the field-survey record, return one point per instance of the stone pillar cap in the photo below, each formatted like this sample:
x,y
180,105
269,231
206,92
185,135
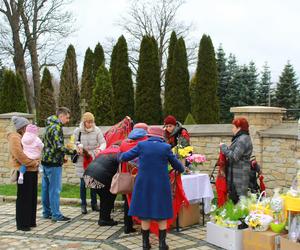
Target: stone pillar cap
x,y
257,109
10,115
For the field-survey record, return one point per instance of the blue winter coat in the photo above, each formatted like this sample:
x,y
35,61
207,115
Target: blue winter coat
x,y
152,197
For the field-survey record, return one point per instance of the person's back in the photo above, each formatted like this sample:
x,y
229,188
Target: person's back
x,y
99,175
153,183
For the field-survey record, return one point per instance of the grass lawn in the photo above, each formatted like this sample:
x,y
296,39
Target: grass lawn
x,y
68,191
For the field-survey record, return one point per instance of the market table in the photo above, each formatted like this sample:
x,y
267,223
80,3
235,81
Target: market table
x,y
197,188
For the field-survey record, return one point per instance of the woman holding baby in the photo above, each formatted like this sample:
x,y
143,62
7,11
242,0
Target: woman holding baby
x,y
89,138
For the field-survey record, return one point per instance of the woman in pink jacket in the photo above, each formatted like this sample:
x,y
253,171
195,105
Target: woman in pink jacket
x,y
32,147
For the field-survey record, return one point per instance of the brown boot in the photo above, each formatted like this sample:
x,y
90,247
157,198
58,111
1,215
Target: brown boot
x,y
162,240
146,243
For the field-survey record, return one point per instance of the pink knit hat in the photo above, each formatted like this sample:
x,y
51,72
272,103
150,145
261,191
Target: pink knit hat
x,y
156,132
141,125
31,128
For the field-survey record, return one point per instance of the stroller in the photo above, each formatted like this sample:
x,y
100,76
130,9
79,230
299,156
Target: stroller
x,y
256,174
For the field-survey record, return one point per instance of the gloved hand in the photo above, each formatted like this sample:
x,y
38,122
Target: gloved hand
x,y
223,147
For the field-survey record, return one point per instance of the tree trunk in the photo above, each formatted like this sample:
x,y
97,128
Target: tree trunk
x,y
13,16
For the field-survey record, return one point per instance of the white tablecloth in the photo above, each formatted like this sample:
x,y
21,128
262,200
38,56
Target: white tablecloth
x,y
196,187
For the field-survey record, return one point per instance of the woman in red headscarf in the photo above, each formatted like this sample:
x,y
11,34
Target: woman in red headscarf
x,y
175,134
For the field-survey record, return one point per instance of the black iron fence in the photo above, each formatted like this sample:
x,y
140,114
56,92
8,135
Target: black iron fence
x,y
292,114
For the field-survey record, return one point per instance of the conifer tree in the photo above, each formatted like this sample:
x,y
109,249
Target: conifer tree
x,y
178,92
287,88
252,84
87,78
69,92
189,120
264,87
47,104
123,94
12,98
205,108
99,59
223,81
148,106
168,76
232,88
102,98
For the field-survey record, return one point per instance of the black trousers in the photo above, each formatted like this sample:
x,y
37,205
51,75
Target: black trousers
x,y
127,219
27,200
107,201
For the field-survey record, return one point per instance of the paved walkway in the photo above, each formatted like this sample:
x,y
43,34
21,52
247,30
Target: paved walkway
x,y
83,232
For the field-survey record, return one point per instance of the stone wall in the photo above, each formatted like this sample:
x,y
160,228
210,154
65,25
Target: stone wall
x,y
275,144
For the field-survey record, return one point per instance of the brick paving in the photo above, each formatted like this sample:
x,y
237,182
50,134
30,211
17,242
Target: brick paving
x,y
83,232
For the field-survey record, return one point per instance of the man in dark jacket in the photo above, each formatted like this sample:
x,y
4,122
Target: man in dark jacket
x,y
52,161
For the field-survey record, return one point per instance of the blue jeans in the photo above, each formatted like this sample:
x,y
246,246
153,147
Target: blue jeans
x,y
51,188
83,194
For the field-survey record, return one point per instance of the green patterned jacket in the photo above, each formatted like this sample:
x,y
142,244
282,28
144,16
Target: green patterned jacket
x,y
54,149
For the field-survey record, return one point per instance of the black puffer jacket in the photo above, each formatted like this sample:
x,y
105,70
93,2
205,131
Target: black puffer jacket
x,y
101,171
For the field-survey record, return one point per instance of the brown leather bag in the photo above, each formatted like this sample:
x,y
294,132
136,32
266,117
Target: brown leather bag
x,y
122,183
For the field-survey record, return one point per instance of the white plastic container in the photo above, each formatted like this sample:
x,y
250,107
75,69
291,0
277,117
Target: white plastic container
x,y
230,239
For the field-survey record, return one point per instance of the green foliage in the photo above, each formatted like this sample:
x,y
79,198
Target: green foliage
x,y
87,78
12,98
177,101
148,106
205,103
168,77
47,102
69,92
102,98
123,93
189,120
223,82
287,92
263,88
232,87
99,58
251,85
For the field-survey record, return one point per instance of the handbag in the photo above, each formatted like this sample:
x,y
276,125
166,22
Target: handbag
x,y
122,183
75,157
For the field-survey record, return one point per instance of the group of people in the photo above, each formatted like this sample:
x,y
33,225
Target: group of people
x,y
147,147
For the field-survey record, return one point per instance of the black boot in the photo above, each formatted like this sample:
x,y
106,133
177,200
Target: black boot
x,y
83,209
146,243
95,208
162,240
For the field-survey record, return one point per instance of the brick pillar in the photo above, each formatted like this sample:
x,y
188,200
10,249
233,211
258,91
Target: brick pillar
x,y
5,127
259,118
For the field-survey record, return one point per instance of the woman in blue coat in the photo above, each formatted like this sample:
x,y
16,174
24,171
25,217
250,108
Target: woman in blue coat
x,y
152,197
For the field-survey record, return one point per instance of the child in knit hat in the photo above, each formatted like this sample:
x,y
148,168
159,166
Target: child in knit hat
x,y
32,147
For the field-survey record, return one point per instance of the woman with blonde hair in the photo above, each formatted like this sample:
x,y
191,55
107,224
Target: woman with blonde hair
x,y
89,138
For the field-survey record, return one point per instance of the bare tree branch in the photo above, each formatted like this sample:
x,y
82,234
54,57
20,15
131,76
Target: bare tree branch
x,y
157,18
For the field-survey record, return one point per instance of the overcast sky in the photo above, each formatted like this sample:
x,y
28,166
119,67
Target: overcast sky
x,y
258,30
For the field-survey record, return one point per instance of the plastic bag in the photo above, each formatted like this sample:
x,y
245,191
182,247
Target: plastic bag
x,y
276,203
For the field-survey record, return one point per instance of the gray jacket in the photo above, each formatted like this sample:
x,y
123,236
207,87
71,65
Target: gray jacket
x,y
92,141
238,155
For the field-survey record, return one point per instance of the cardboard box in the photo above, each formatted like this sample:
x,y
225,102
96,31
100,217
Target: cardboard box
x,y
227,238
267,240
286,244
188,216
